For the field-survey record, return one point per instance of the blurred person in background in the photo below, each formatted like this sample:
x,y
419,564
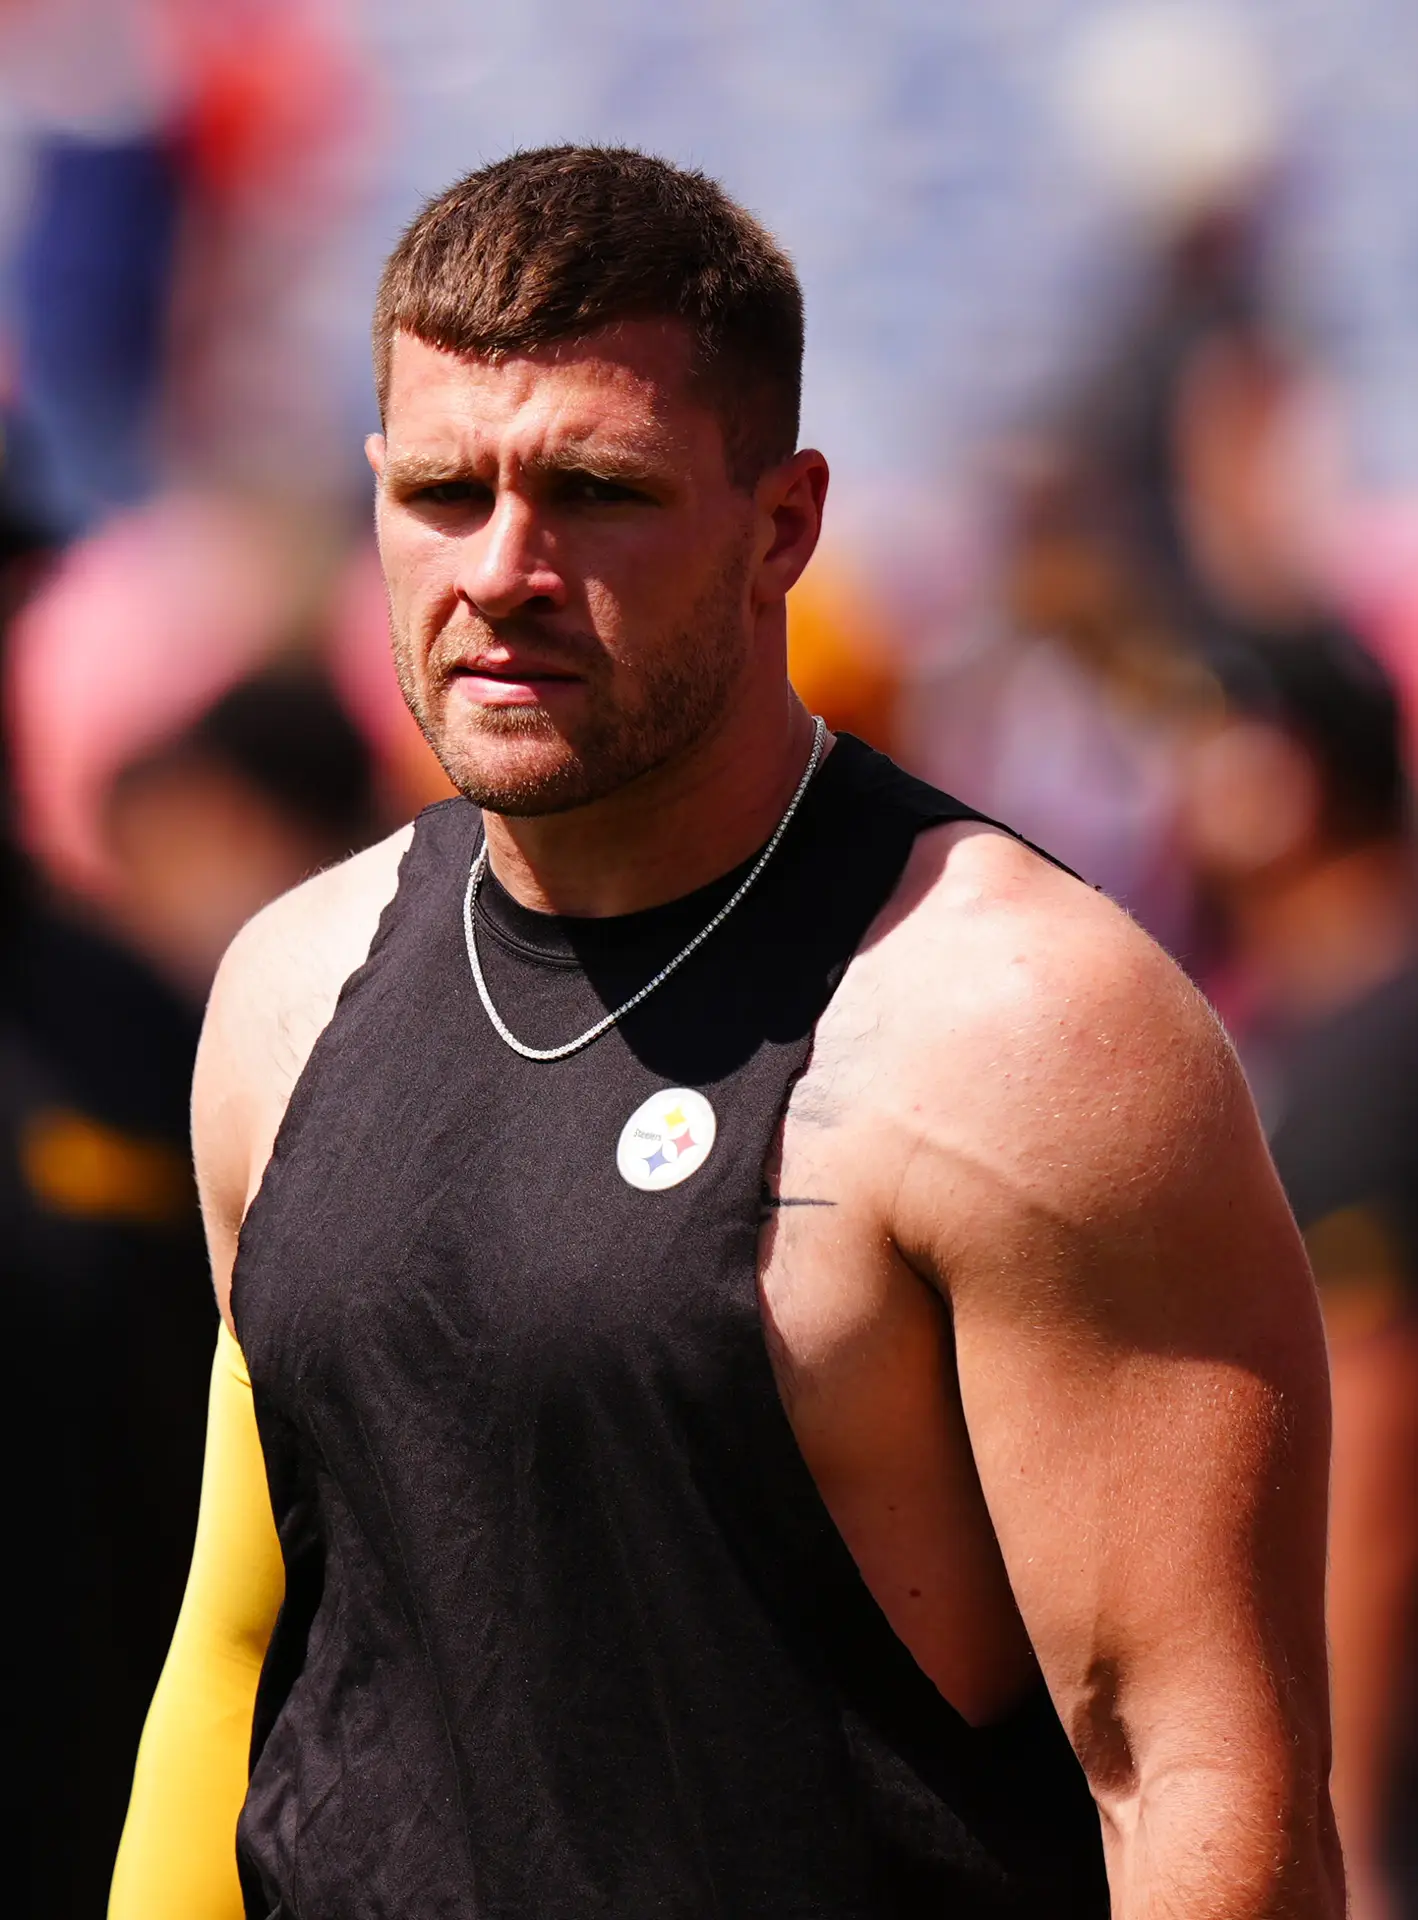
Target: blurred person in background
x,y
1201,417
1201,440
170,411
175,326
1062,706
272,783
1164,511
1296,816
108,1328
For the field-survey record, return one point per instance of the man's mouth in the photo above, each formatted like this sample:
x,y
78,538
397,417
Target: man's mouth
x,y
513,685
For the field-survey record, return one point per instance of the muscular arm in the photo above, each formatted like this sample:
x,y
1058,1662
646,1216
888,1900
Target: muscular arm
x,y
1142,1373
274,993
1373,1583
177,1860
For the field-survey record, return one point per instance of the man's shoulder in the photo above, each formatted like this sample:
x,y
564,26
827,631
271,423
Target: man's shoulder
x,y
1017,1001
992,927
274,993
306,943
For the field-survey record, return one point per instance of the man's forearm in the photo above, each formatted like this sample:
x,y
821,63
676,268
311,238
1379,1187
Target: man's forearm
x,y
1373,1578
1212,1843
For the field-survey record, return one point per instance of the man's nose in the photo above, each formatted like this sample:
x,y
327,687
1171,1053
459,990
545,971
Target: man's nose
x,y
508,562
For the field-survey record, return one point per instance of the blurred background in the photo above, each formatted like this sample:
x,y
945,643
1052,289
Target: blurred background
x,y
1113,343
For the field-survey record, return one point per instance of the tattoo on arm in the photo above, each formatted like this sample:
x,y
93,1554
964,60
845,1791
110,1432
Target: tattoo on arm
x,y
772,1202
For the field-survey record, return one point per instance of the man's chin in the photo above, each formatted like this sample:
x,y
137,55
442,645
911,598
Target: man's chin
x,y
518,771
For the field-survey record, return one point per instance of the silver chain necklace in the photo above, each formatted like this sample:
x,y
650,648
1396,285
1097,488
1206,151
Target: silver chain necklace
x,y
470,901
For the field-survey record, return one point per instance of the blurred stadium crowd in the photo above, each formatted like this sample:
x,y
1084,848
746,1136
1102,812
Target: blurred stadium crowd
x,y
1136,572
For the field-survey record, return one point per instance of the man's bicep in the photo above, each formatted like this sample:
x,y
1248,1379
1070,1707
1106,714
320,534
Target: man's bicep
x,y
1143,1378
274,992
219,1152
232,1084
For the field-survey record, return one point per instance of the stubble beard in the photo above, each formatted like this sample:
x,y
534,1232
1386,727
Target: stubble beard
x,y
678,699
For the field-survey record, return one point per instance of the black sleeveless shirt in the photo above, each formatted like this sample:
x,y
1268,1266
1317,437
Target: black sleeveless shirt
x,y
568,1630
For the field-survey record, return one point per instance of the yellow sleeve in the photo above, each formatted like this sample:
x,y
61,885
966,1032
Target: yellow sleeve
x,y
177,1860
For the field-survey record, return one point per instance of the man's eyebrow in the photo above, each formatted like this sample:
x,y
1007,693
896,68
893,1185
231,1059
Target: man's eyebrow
x,y
616,461
411,470
605,460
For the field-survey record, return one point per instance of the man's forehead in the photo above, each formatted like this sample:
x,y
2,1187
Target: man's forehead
x,y
626,382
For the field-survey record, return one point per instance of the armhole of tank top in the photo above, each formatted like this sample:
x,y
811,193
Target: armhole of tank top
x,y
290,1117
967,816
946,811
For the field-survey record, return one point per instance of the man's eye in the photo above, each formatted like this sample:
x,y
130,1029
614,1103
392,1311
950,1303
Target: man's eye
x,y
597,492
450,493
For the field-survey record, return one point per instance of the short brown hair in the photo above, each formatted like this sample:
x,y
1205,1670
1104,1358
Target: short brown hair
x,y
552,244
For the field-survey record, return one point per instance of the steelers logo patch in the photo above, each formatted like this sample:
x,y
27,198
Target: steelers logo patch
x,y
666,1139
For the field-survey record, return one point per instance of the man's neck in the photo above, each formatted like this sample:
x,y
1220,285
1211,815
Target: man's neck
x,y
672,830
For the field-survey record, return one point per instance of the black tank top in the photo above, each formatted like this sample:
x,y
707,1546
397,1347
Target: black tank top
x,y
568,1630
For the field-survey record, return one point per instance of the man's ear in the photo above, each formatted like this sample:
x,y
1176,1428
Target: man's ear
x,y
790,500
374,453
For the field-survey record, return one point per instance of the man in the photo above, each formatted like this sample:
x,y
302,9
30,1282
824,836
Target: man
x,y
756,1268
